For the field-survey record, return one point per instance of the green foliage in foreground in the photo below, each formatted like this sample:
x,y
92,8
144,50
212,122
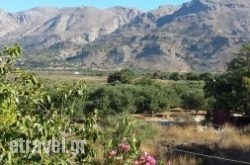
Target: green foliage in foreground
x,y
30,111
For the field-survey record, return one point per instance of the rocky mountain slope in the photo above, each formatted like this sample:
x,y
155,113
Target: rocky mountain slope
x,y
52,33
200,35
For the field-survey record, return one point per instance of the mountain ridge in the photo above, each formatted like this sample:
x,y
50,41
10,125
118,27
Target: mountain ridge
x,y
201,35
187,39
53,33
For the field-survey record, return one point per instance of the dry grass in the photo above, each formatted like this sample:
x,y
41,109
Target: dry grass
x,y
190,134
149,147
182,160
231,137
71,77
228,138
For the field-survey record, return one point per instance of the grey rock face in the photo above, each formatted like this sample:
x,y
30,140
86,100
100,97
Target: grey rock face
x,y
200,35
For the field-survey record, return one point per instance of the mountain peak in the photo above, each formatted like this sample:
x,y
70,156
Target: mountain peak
x,y
164,10
196,6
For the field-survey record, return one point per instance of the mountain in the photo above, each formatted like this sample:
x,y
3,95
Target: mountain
x,y
48,34
201,35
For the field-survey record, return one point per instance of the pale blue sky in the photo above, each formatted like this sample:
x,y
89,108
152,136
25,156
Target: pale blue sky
x,y
145,5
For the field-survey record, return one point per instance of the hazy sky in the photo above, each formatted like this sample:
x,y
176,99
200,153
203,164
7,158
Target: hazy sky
x,y
145,5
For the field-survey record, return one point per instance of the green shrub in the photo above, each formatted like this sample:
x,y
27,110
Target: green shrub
x,y
194,100
175,76
124,76
132,98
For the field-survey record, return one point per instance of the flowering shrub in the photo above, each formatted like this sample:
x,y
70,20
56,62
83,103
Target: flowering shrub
x,y
123,155
123,149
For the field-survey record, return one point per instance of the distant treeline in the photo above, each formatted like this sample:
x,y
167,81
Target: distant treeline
x,y
183,76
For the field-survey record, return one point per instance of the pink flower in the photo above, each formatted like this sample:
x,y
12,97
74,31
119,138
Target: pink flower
x,y
150,159
146,159
124,147
111,153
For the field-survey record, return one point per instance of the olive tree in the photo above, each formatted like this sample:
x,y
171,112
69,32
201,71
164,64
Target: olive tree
x,y
231,89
